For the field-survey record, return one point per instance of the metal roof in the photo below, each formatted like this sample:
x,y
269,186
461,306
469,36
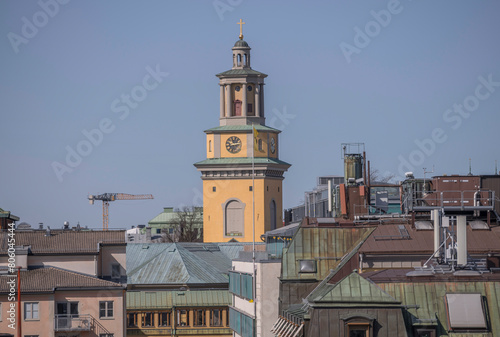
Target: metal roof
x,y
242,161
424,298
180,263
326,245
7,214
387,239
353,290
241,72
151,300
239,128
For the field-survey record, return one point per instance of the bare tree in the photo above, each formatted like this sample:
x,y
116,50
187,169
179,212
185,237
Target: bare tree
x,y
376,176
187,226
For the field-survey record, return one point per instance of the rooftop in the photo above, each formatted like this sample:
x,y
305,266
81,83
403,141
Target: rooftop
x,y
63,241
49,279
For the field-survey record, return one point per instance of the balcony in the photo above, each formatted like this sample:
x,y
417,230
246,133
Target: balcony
x,y
72,322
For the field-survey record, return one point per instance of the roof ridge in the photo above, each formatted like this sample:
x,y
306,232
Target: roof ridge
x,y
139,267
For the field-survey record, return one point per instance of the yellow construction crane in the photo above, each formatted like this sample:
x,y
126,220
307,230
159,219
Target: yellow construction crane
x,y
107,197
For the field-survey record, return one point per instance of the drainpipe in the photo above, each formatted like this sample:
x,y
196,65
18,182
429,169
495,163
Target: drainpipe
x,y
19,317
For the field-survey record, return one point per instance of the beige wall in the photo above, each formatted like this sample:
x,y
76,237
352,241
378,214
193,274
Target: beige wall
x,y
88,304
85,264
44,326
111,255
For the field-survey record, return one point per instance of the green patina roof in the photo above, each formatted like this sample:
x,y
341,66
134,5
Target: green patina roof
x,y
353,290
241,72
241,43
151,300
327,245
241,161
239,128
169,216
6,214
425,301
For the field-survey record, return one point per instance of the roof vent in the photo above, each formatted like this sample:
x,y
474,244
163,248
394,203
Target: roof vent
x,y
47,231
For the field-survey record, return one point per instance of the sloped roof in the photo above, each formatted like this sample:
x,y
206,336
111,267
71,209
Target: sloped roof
x,y
63,241
7,214
353,290
326,245
165,299
248,128
48,279
242,161
180,263
241,72
387,239
424,296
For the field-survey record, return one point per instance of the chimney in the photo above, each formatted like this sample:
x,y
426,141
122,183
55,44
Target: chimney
x,y
148,234
461,240
47,231
66,225
40,225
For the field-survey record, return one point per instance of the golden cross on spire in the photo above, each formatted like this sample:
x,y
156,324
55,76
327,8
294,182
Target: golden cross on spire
x,y
241,23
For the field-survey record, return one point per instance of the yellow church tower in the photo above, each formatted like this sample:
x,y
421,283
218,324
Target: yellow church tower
x,y
242,175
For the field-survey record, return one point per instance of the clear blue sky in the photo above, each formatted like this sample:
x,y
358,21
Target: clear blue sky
x,y
385,73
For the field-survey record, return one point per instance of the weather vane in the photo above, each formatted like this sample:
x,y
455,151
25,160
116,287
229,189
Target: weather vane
x,y
241,23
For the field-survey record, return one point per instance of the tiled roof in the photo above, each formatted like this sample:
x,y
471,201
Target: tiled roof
x,y
63,242
50,278
179,263
388,239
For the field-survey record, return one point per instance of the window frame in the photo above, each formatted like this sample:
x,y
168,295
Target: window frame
x,y
106,310
31,311
196,317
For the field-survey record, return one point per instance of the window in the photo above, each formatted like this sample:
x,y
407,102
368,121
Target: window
x,y
260,144
106,335
164,318
272,214
182,317
241,285
209,146
31,310
425,333
132,320
115,270
147,320
358,330
199,317
233,217
465,311
216,317
213,189
241,324
250,188
250,109
105,309
307,266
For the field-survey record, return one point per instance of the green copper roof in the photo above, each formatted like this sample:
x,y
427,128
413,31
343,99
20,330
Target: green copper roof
x,y
241,43
353,290
241,72
151,300
242,161
231,128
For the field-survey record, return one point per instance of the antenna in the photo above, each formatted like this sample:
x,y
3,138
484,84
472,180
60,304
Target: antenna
x,y
425,168
496,169
470,167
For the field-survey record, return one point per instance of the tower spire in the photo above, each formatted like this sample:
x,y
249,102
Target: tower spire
x,y
241,23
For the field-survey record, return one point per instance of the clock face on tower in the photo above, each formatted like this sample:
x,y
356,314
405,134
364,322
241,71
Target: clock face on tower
x,y
233,144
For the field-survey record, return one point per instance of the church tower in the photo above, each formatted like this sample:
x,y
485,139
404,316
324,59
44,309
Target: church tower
x,y
242,172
